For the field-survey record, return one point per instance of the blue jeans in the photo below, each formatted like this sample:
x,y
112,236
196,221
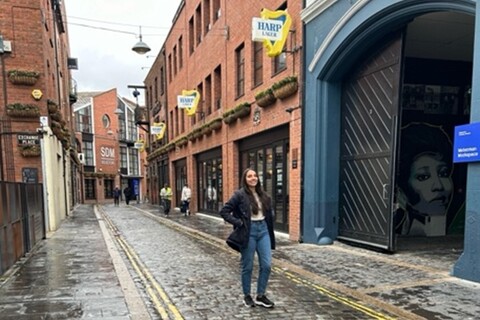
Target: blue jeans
x,y
259,242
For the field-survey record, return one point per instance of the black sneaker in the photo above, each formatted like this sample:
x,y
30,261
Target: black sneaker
x,y
264,302
248,301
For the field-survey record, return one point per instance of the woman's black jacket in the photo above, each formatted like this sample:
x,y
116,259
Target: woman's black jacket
x,y
237,211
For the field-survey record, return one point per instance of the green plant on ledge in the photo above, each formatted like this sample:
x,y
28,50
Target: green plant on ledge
x,y
27,77
242,110
30,150
285,87
229,116
215,124
23,110
265,98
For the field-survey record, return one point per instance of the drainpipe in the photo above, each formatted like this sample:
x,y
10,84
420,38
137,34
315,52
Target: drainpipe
x,y
5,101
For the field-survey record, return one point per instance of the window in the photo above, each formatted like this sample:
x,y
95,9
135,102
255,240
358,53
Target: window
x,y
170,67
210,184
106,121
216,10
240,70
175,70
162,81
257,63
280,63
191,36
208,96
108,188
180,53
123,159
88,152
132,128
198,24
206,16
83,120
90,189
133,161
217,87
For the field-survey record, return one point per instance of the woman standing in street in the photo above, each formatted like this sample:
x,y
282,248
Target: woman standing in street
x,y
250,211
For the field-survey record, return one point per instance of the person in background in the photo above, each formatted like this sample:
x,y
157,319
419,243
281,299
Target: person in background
x,y
186,196
250,211
211,197
116,196
166,196
128,194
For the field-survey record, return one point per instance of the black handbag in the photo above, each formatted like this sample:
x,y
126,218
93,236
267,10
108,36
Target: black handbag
x,y
238,239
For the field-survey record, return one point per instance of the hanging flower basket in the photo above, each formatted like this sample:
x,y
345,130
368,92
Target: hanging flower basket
x,y
205,129
215,124
285,87
243,110
197,133
57,116
30,150
265,98
52,106
23,110
23,77
181,142
229,119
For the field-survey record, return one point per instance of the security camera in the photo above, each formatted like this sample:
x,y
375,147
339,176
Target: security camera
x,y
41,131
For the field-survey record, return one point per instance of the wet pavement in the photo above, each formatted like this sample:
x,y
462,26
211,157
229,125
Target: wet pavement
x,y
130,262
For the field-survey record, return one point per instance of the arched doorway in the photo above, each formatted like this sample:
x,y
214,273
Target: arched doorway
x,y
335,62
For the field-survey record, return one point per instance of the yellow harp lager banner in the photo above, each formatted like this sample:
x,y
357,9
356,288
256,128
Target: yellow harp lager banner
x,y
270,27
140,145
189,101
158,129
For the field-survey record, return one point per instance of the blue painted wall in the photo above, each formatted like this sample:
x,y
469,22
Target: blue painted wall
x,y
332,45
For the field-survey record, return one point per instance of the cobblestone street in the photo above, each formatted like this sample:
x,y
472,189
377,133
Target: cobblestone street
x,y
130,262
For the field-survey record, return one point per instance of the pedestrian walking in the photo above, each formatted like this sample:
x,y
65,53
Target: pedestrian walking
x,y
116,196
211,197
250,212
166,196
127,192
186,196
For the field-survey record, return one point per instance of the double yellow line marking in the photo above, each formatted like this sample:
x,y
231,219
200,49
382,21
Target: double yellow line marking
x,y
332,295
157,294
147,278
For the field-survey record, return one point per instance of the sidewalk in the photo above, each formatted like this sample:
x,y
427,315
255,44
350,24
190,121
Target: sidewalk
x,y
71,275
77,274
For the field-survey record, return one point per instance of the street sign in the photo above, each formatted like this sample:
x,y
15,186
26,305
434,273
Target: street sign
x,y
466,143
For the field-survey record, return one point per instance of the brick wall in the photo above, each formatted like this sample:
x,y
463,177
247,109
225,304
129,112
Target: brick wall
x,y
216,51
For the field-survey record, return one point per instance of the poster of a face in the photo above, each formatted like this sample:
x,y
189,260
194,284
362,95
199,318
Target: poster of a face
x,y
424,184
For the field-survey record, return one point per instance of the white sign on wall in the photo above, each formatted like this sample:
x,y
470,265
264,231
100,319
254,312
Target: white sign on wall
x,y
266,29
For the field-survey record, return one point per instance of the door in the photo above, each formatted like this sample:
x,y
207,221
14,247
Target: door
x,y
369,128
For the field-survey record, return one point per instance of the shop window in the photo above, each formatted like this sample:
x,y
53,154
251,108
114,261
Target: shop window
x,y
90,189
108,188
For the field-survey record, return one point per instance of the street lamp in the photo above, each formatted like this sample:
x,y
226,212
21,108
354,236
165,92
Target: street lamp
x,y
141,47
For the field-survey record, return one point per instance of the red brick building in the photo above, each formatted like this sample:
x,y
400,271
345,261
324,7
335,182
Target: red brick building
x,y
105,136
209,49
35,84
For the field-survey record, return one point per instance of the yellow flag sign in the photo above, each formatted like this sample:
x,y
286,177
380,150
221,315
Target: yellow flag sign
x,y
274,48
189,101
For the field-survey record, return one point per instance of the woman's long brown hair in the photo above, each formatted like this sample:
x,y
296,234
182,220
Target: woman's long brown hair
x,y
264,198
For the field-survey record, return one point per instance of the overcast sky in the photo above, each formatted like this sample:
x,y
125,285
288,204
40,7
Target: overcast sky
x,y
105,58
